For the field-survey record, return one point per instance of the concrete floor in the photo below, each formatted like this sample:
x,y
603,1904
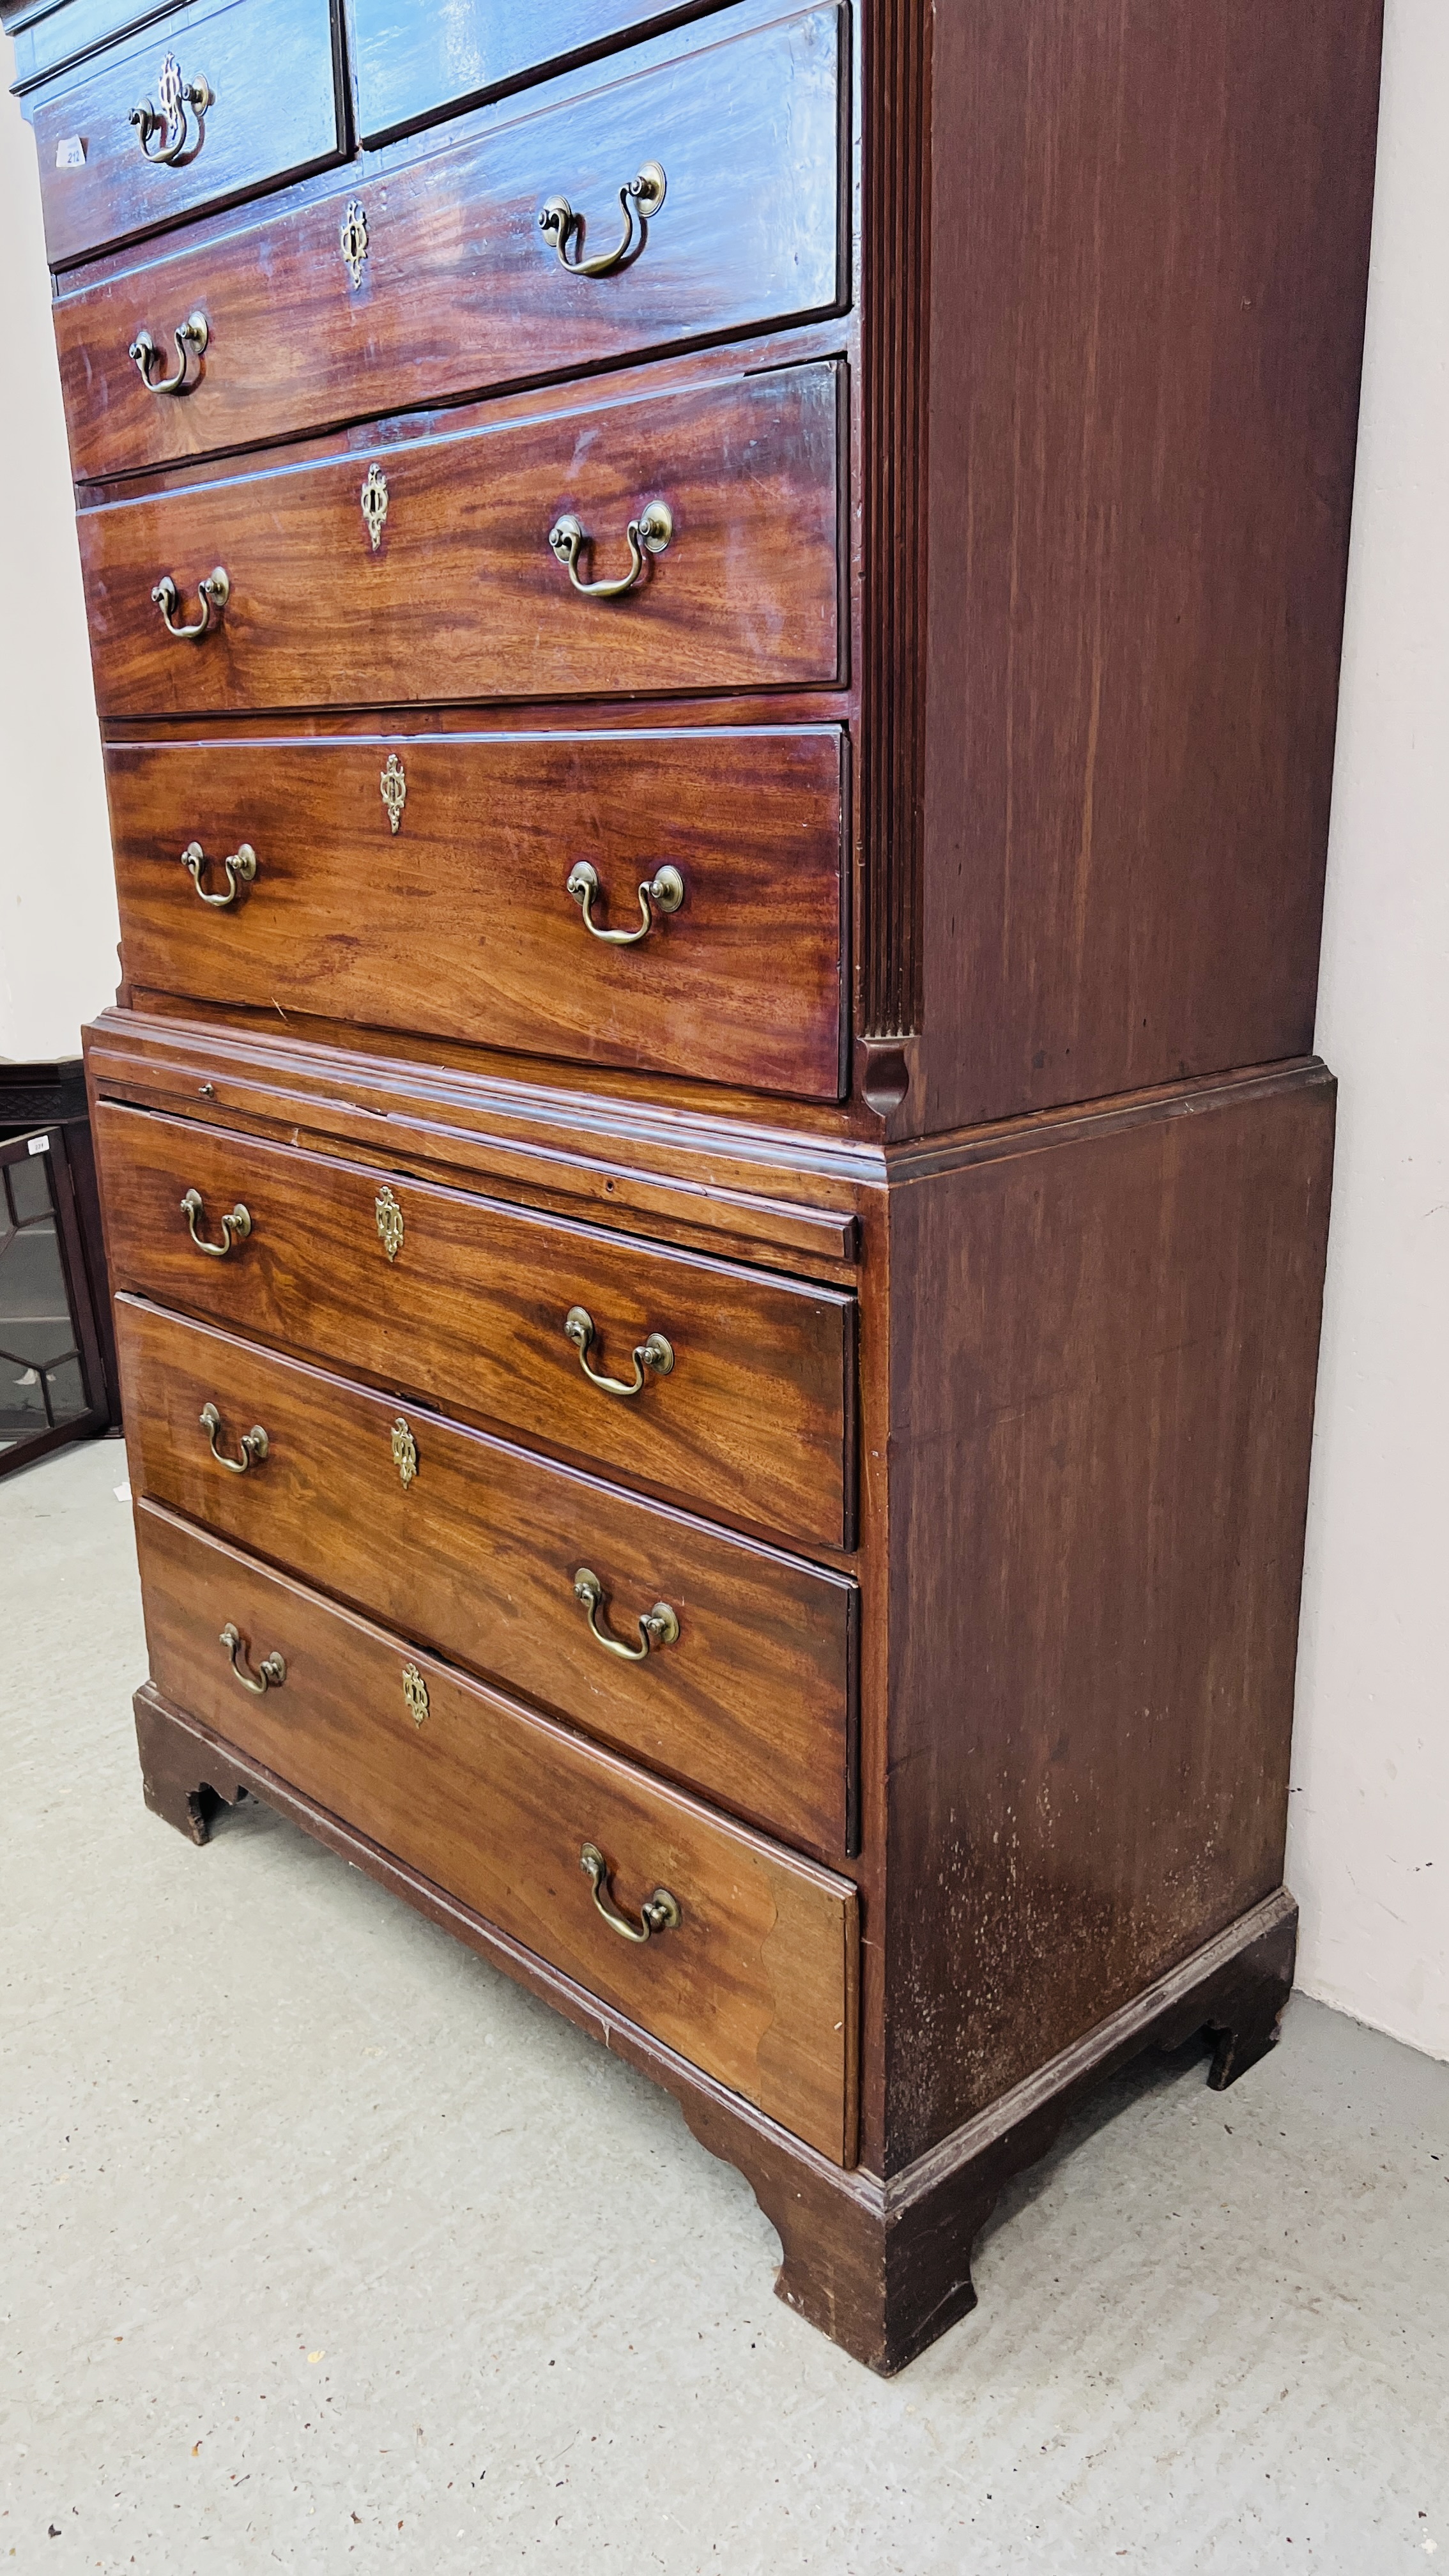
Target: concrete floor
x,y
325,2249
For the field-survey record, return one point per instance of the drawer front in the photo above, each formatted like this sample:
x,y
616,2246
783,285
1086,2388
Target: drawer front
x,y
416,63
756,1981
462,595
453,287
473,1547
275,112
457,921
751,1422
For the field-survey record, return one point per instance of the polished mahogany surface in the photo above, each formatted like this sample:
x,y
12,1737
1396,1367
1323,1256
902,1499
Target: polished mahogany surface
x,y
463,595
755,1982
750,1414
452,286
276,110
473,1546
423,884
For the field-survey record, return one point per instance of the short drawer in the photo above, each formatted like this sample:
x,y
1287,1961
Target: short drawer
x,y
432,277
198,112
413,64
753,1978
744,1396
424,885
430,570
475,1548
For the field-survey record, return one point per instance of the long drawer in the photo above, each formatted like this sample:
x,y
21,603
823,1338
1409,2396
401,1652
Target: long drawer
x,y
744,1398
274,111
433,277
755,1977
424,885
476,1548
430,570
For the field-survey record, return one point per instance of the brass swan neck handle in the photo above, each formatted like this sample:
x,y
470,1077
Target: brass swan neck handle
x,y
191,337
660,1912
240,868
648,535
661,893
639,198
213,592
235,1226
270,1673
656,1353
170,121
657,1627
254,1444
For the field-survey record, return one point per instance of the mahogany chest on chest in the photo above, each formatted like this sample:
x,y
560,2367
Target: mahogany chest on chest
x,y
716,630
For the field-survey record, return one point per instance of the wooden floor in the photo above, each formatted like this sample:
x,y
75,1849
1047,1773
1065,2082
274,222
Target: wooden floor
x,y
369,2261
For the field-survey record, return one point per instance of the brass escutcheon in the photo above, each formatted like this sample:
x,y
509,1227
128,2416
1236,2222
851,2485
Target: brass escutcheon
x,y
170,121
404,1452
374,504
353,238
240,869
660,1912
191,337
393,787
254,1444
390,1227
657,1627
415,1692
656,1353
639,198
661,893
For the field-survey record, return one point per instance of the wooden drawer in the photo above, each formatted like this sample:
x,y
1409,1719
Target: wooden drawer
x,y
276,112
463,596
459,289
756,1982
416,64
459,922
472,1547
753,1422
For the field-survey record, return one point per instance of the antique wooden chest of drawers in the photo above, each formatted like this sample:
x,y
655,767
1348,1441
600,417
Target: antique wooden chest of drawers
x,y
717,636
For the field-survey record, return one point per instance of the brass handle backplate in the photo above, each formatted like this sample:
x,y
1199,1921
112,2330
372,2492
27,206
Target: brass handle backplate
x,y
254,1443
655,1353
240,868
640,198
170,122
270,1673
648,535
660,1912
191,337
657,1627
663,892
235,1227
213,592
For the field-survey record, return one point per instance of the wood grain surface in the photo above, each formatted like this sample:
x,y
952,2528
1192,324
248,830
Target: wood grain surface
x,y
463,596
1144,374
460,290
1103,1360
753,1423
476,1557
460,922
756,1984
276,113
415,63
